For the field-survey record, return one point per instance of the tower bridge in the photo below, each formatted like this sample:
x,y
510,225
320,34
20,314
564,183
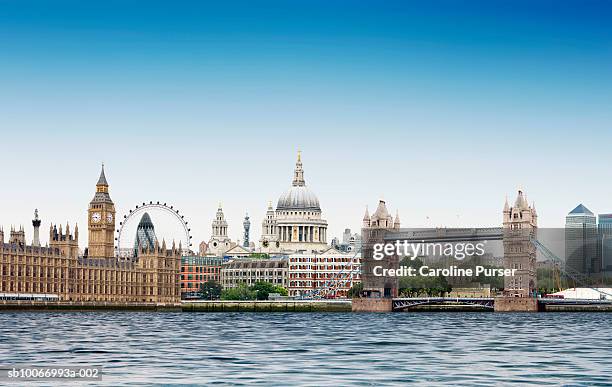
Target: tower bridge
x,y
519,228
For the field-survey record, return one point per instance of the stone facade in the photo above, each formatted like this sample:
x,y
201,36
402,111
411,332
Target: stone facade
x,y
380,305
250,271
514,304
520,227
373,230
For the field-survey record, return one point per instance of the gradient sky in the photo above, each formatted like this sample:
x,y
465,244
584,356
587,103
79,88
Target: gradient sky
x,y
443,108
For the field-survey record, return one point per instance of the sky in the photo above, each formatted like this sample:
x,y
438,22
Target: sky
x,y
442,108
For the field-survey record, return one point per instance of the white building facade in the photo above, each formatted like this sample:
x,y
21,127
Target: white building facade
x,y
329,274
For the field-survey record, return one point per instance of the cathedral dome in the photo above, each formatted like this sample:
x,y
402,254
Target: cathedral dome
x,y
298,198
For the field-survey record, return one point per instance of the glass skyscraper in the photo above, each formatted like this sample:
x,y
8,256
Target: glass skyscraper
x,y
581,241
605,242
145,234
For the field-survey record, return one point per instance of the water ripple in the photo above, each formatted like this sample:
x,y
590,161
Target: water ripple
x,y
282,349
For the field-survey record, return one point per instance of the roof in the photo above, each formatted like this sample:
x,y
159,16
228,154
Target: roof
x,y
102,178
298,198
381,211
101,197
237,250
580,210
256,264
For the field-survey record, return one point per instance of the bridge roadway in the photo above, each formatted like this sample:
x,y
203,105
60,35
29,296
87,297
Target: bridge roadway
x,y
441,235
408,303
483,302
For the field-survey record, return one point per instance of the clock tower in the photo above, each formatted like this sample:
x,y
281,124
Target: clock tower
x,y
101,221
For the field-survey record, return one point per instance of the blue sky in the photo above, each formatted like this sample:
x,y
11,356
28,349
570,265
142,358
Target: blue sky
x,y
442,108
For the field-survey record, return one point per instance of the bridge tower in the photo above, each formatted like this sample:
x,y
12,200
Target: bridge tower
x,y
373,230
520,226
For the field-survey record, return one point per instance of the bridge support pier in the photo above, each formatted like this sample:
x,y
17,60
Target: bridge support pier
x,y
516,304
364,304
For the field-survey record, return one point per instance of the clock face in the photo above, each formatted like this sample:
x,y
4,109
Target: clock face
x,y
109,218
96,217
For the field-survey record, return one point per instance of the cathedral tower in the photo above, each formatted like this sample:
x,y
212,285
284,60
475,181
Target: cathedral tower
x,y
101,221
219,241
269,235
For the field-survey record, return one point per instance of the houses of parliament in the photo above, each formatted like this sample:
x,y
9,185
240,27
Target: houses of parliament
x,y
97,275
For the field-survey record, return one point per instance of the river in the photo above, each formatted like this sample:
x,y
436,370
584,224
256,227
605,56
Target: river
x,y
327,349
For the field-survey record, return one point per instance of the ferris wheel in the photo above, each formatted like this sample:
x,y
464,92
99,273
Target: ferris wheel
x,y
127,227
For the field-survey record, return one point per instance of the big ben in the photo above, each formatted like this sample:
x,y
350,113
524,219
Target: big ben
x,y
101,221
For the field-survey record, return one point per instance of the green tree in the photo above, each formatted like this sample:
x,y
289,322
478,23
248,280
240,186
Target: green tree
x,y
259,256
418,285
210,290
263,290
355,290
240,293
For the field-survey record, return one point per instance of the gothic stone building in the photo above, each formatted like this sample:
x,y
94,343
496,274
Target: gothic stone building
x,y
152,276
373,231
520,226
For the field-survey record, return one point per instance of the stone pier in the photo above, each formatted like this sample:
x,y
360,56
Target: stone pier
x,y
516,304
372,304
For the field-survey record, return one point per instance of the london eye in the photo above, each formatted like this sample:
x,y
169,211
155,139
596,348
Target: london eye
x,y
152,222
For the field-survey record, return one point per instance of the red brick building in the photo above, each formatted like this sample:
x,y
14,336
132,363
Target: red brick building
x,y
196,270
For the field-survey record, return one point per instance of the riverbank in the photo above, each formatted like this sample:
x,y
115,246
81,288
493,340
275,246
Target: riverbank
x,y
86,306
298,306
186,306
268,306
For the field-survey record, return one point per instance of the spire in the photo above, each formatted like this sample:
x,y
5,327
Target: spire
x,y
397,219
521,202
506,205
366,216
101,195
298,175
102,179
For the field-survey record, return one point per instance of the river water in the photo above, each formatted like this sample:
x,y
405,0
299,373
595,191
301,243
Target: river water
x,y
327,349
